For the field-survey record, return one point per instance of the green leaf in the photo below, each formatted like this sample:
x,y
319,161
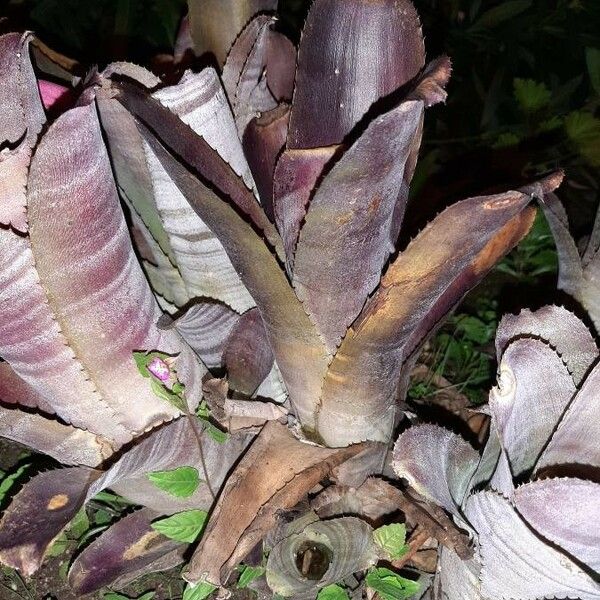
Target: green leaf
x,y
249,574
9,480
531,95
506,140
215,433
141,362
390,585
583,130
503,12
184,526
198,591
79,525
181,482
392,539
162,392
592,58
333,592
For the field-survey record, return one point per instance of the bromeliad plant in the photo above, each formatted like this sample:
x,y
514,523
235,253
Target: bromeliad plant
x,y
277,190
531,500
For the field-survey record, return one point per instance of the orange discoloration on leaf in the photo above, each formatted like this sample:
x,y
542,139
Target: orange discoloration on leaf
x,y
57,502
145,543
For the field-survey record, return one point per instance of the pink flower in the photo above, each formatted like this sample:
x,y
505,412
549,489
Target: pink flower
x,y
160,369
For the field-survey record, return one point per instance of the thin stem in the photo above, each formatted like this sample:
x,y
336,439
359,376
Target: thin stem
x,y
417,539
197,433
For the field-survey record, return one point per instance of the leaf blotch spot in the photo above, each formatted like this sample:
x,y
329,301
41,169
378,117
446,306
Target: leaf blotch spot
x,y
57,502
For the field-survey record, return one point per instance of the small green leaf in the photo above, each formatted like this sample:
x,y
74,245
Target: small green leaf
x,y
215,433
162,392
59,545
141,361
184,526
583,130
531,95
390,585
392,539
79,525
249,574
198,591
333,592
181,482
9,480
506,140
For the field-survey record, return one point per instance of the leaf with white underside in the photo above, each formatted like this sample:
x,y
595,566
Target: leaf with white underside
x,y
182,527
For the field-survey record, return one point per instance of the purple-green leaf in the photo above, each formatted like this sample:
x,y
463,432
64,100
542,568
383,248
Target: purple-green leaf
x,y
129,548
449,257
350,227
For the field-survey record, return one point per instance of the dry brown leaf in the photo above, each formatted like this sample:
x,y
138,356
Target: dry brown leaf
x,y
275,474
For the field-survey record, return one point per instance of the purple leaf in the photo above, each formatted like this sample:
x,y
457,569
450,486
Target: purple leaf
x,y
352,221
179,138
351,54
252,95
129,548
38,513
566,512
281,66
21,120
203,263
575,440
206,327
295,177
64,443
518,564
130,167
558,327
37,348
104,305
263,141
247,358
449,257
437,463
292,336
534,389
22,110
570,272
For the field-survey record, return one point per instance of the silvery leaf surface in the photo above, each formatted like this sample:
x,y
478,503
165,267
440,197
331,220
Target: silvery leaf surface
x,y
566,512
557,326
437,463
534,389
516,564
